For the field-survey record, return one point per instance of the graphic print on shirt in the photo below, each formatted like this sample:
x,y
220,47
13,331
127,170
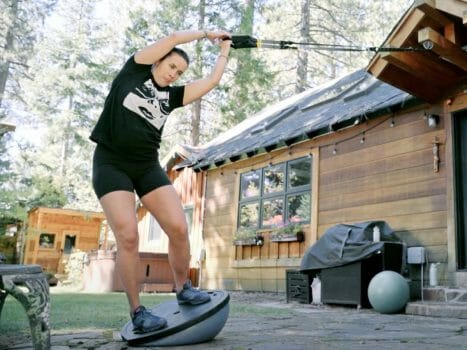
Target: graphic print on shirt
x,y
149,103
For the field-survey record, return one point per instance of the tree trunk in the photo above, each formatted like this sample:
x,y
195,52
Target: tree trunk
x,y
246,27
67,140
4,60
302,66
196,108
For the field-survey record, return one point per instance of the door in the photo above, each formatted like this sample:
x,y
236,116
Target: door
x,y
70,241
460,185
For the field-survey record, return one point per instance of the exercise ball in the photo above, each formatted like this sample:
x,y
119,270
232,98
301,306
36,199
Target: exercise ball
x,y
388,292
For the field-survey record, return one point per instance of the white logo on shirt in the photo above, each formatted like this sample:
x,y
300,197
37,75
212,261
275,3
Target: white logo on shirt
x,y
149,103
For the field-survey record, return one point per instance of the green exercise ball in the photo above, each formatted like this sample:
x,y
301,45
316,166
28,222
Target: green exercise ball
x,y
388,292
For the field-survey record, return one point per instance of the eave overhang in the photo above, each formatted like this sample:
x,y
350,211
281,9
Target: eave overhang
x,y
440,27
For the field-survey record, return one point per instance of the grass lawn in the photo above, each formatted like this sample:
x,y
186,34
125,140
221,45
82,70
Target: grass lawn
x,y
74,311
80,311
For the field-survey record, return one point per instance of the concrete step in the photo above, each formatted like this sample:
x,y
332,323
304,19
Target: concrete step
x,y
445,294
437,309
440,302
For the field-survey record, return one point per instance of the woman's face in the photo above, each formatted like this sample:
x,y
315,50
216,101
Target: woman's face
x,y
168,70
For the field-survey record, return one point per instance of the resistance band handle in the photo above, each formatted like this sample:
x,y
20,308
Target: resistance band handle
x,y
244,42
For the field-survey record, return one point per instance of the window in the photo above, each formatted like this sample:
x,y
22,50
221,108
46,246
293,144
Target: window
x,y
155,231
188,209
276,195
47,240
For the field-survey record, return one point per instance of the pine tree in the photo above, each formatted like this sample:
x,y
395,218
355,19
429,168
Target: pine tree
x,y
19,25
67,94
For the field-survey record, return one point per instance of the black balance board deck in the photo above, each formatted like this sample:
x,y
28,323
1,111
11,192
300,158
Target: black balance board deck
x,y
186,324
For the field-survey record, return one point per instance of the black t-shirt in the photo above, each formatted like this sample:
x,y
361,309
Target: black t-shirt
x,y
135,112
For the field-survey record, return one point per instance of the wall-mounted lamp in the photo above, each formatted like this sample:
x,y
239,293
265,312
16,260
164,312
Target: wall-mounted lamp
x,y
432,120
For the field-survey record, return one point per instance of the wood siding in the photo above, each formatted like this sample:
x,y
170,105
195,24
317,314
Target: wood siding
x,y
383,169
85,226
248,267
390,177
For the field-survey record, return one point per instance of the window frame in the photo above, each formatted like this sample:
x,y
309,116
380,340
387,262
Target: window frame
x,y
284,195
54,242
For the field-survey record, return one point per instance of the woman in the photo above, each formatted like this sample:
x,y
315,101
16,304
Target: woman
x,y
128,134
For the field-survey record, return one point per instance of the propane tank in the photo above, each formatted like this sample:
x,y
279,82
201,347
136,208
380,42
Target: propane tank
x,y
376,234
434,274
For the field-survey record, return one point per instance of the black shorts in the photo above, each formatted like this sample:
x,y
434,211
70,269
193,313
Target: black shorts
x,y
110,172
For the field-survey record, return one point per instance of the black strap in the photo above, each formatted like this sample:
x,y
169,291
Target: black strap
x,y
248,42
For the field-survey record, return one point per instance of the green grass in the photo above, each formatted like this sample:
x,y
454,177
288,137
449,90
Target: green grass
x,y
74,311
79,311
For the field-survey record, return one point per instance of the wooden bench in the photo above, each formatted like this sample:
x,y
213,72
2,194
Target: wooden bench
x,y
29,286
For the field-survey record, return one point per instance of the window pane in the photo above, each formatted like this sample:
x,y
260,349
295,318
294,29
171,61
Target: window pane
x,y
155,231
189,217
273,212
300,173
249,184
249,215
274,179
298,207
47,240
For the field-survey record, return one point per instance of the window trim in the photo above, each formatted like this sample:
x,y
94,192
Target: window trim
x,y
55,235
285,161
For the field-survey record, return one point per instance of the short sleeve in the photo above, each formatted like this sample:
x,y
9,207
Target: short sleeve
x,y
176,96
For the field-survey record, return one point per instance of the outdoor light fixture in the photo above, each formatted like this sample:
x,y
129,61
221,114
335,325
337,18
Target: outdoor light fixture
x,y
432,120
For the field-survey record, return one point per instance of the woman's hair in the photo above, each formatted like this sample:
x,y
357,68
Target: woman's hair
x,y
180,52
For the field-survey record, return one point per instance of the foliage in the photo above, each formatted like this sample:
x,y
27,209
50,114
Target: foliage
x,y
19,32
287,231
17,198
248,235
245,233
59,57
8,248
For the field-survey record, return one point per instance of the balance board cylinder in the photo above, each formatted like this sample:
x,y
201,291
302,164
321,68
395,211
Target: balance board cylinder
x,y
185,324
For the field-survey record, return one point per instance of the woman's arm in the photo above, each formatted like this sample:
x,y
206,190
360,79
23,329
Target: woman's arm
x,y
154,52
199,88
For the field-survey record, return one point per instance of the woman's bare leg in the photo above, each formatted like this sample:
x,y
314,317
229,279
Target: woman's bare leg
x,y
119,209
164,204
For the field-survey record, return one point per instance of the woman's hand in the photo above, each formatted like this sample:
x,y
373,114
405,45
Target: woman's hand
x,y
218,36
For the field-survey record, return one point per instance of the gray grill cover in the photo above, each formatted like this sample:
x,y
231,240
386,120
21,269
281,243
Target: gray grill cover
x,y
346,243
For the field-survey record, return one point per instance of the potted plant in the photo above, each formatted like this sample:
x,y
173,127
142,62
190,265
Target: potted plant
x,y
247,236
288,233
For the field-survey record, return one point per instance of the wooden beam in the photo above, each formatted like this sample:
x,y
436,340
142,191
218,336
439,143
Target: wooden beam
x,y
405,28
429,8
376,65
403,80
443,47
450,33
453,7
421,66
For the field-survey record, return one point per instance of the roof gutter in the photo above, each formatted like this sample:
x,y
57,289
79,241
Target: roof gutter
x,y
304,136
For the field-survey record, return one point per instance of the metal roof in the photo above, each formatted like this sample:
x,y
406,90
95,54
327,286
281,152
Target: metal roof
x,y
314,112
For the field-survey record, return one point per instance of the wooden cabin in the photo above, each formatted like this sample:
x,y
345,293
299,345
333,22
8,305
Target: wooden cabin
x,y
52,234
382,144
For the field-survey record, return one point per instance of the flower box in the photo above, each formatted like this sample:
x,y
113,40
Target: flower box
x,y
290,233
289,237
248,237
249,241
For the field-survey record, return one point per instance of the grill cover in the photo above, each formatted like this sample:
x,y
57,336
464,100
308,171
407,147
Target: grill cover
x,y
346,243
